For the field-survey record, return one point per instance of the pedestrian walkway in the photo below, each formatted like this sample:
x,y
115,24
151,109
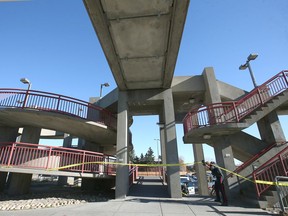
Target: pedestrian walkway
x,y
148,197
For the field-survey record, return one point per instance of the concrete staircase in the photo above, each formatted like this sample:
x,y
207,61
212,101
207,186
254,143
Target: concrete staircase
x,y
264,110
246,190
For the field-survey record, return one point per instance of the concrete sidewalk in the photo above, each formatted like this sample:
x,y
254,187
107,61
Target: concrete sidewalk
x,y
148,197
189,206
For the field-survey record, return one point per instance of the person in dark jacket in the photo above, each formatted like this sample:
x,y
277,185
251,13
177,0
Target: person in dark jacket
x,y
219,186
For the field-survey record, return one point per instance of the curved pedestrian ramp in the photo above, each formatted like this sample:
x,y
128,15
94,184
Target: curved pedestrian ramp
x,y
149,186
51,160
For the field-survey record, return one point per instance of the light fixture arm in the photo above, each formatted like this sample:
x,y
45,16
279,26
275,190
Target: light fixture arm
x,y
251,57
101,86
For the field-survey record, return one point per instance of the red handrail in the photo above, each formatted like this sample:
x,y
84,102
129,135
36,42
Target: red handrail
x,y
133,174
51,102
235,111
275,166
35,156
254,158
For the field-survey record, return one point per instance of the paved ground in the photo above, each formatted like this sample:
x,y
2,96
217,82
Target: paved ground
x,y
147,198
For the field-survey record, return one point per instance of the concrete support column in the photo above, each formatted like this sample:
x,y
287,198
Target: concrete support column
x,y
270,129
90,146
20,183
67,143
212,95
200,170
67,140
81,143
163,148
212,92
122,173
225,159
173,177
7,134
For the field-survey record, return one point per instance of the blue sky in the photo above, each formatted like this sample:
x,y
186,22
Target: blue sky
x,y
53,43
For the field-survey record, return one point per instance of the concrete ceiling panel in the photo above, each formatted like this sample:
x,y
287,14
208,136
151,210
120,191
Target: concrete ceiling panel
x,y
143,85
129,29
140,37
135,8
143,69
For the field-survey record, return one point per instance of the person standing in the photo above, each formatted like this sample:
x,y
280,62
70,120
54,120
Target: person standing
x,y
219,186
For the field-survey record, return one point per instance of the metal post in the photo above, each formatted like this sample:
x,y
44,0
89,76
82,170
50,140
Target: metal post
x,y
251,74
101,90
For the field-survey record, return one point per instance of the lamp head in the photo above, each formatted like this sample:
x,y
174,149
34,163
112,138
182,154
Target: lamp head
x,y
252,56
105,84
25,80
243,67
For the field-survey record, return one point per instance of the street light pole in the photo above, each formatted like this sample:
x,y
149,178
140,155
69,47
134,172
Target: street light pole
x,y
104,84
157,149
247,64
26,81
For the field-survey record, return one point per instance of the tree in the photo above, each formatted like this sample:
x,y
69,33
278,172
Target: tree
x,y
142,159
131,155
149,156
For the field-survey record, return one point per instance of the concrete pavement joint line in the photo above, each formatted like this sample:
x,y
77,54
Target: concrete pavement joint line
x,y
161,210
190,208
216,210
116,212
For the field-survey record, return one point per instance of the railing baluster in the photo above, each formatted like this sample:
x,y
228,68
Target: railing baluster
x,y
83,162
49,157
10,155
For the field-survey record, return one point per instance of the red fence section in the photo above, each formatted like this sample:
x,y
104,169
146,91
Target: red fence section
x,y
276,166
234,111
50,102
34,156
254,158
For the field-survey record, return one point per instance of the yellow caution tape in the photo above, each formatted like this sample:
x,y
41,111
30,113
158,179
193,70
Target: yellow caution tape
x,y
164,165
271,183
121,164
233,173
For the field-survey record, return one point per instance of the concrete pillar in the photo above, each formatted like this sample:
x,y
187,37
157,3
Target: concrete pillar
x,y
212,95
163,148
67,140
122,173
212,92
200,170
3,180
225,159
270,129
20,183
173,177
90,146
7,134
81,143
67,143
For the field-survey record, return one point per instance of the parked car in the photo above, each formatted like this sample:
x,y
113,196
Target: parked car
x,y
189,184
192,187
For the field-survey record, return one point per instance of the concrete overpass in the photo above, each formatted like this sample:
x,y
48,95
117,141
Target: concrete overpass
x,y
141,41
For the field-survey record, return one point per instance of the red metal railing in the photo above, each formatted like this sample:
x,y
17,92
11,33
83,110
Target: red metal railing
x,y
50,102
276,166
34,156
235,111
133,174
254,158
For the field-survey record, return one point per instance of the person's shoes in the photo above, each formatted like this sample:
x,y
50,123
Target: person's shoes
x,y
217,200
224,204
